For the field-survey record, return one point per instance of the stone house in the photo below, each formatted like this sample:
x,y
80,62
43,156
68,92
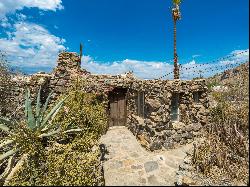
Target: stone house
x,y
160,113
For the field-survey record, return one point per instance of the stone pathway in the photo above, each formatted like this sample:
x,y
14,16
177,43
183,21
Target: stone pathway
x,y
129,164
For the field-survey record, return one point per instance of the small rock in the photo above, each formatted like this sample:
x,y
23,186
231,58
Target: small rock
x,y
153,180
187,160
179,172
189,135
168,145
186,167
177,137
155,146
178,125
151,166
179,179
142,180
187,181
117,164
168,133
136,167
190,152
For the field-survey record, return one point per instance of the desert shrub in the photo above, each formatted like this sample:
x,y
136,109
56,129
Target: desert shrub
x,y
62,165
5,85
85,111
212,84
26,137
225,151
70,158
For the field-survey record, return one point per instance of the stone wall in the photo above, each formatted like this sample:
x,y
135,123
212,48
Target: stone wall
x,y
156,130
17,96
67,70
154,127
68,66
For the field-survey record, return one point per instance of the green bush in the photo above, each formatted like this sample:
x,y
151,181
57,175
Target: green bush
x,y
6,86
70,158
85,111
61,165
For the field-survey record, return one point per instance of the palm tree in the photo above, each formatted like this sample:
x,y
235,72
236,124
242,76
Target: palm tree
x,y
176,16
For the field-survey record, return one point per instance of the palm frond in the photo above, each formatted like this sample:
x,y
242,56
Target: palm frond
x,y
176,2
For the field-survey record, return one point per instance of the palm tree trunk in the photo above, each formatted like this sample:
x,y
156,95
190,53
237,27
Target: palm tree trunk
x,y
176,70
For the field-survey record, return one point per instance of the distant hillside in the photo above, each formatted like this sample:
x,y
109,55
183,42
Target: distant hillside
x,y
230,77
224,154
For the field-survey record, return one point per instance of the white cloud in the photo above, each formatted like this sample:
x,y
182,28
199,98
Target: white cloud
x,y
86,59
195,56
31,45
154,70
10,6
193,69
142,69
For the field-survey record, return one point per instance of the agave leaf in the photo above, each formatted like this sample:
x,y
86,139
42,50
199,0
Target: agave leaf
x,y
38,106
4,128
26,103
31,119
54,110
6,121
50,133
54,115
48,127
8,168
7,154
7,142
2,163
73,130
45,106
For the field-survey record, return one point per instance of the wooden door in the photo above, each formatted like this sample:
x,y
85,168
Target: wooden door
x,y
118,108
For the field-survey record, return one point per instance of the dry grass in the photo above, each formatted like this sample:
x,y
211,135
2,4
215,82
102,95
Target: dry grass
x,y
225,152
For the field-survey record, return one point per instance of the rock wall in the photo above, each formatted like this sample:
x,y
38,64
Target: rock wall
x,y
150,118
17,96
154,128
67,70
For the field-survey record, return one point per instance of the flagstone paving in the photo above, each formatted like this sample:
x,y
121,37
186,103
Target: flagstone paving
x,y
128,163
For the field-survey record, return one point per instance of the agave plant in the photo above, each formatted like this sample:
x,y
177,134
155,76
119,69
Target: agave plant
x,y
36,127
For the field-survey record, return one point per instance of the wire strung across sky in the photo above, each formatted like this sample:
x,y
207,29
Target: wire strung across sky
x,y
213,65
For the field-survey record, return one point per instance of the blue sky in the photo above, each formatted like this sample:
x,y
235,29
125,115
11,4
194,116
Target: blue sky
x,y
120,35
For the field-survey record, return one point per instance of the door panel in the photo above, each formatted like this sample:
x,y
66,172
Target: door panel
x,y
118,109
